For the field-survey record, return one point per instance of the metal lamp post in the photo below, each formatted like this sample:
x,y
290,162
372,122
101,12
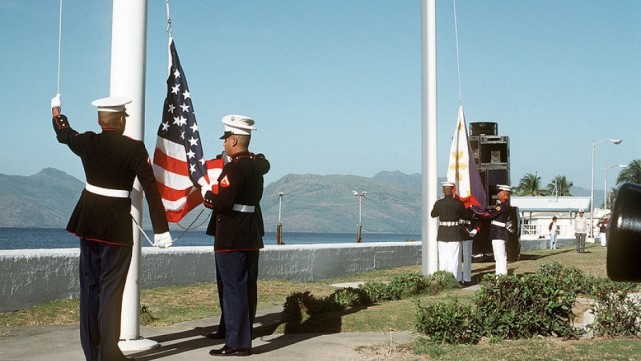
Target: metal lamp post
x,y
594,144
279,225
605,183
359,226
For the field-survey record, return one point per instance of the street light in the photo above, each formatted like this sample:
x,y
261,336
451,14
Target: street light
x,y
594,144
605,183
359,226
279,226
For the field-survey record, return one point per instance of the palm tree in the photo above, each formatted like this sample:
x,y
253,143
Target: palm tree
x,y
529,185
561,185
630,174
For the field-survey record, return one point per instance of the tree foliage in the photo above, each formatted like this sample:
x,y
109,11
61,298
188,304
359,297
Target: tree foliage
x,y
529,185
561,185
630,174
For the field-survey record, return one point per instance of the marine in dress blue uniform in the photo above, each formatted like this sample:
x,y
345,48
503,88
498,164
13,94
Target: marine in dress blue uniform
x,y
102,220
238,230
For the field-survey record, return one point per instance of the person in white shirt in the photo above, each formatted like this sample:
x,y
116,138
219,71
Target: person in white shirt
x,y
580,231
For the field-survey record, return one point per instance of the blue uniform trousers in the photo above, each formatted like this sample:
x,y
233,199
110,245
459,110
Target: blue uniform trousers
x,y
234,269
252,290
103,273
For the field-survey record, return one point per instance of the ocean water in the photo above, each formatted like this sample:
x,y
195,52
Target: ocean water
x,y
38,238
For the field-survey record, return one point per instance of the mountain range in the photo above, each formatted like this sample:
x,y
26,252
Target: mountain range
x,y
309,203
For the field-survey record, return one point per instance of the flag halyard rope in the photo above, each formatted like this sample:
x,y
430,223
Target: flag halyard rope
x,y
458,62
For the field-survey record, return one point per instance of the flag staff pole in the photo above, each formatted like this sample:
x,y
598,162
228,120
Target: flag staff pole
x,y
59,46
128,64
429,257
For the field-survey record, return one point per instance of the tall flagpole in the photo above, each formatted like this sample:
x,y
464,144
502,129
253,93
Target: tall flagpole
x,y
429,256
128,64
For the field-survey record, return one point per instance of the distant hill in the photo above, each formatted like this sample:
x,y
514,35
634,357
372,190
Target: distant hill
x,y
311,203
314,203
45,199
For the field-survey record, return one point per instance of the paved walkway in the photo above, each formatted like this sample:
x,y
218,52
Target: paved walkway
x,y
187,341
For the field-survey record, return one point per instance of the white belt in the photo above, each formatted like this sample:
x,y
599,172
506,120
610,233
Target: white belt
x,y
449,224
243,208
116,193
497,223
464,221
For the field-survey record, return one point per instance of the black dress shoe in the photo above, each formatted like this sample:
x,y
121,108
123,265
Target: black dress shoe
x,y
216,335
231,351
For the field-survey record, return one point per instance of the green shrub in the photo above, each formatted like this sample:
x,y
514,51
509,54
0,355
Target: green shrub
x,y
616,311
570,279
513,307
448,322
508,307
299,306
409,284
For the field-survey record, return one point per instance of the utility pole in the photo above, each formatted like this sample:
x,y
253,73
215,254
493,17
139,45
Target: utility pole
x,y
279,225
359,226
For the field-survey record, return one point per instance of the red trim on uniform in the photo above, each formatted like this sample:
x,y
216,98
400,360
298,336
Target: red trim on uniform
x,y
236,250
100,240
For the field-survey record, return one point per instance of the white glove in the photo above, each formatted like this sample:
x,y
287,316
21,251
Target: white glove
x,y
473,233
203,191
163,240
56,102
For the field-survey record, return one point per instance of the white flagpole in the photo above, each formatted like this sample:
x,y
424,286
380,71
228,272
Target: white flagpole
x,y
428,139
128,60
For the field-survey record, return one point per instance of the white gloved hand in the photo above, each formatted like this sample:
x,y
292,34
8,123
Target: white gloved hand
x,y
203,191
473,233
56,102
163,240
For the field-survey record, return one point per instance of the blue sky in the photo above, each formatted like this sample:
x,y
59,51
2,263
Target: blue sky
x,y
334,85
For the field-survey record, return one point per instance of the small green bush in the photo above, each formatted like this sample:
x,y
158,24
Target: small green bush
x,y
616,311
509,307
300,305
449,322
409,284
524,306
513,307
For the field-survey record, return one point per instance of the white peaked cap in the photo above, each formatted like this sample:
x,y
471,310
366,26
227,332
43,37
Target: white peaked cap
x,y
502,187
237,125
447,184
111,104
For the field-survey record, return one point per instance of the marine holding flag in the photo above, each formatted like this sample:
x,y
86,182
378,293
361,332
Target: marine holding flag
x,y
238,230
449,211
463,173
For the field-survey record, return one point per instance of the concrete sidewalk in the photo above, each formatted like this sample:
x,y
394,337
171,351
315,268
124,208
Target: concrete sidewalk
x,y
187,341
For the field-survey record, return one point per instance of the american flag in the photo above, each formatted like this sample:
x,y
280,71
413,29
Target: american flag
x,y
179,164
462,168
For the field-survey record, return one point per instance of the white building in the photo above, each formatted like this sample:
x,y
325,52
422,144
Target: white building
x,y
537,212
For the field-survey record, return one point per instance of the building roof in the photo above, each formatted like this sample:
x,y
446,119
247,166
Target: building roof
x,y
550,204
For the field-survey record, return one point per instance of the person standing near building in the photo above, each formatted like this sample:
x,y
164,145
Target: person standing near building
x,y
499,217
102,220
603,228
449,211
580,230
553,233
238,230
